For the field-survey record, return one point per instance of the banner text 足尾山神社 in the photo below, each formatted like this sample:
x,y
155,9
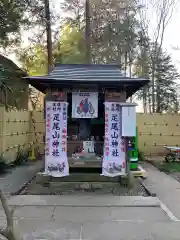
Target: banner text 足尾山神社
x,y
56,162
114,163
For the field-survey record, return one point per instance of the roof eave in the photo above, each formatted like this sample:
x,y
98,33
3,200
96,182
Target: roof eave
x,y
131,86
58,80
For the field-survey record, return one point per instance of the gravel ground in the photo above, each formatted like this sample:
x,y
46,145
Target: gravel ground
x,y
71,188
175,175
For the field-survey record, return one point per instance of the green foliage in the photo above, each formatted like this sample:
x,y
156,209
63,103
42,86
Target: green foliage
x,y
165,75
69,49
169,167
21,158
33,59
18,14
3,165
11,17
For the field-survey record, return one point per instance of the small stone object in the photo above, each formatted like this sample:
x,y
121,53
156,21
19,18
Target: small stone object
x,y
96,186
85,186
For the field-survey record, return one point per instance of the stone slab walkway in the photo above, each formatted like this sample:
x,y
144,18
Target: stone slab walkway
x,y
14,181
35,229
84,201
101,221
166,188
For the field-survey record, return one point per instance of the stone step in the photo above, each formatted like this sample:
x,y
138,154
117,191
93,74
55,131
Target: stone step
x,y
85,177
82,185
75,177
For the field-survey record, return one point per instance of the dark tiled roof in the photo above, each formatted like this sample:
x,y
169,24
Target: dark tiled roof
x,y
100,76
85,72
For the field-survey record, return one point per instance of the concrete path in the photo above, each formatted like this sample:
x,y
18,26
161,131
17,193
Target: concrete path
x,y
36,229
14,181
86,220
166,188
40,229
83,201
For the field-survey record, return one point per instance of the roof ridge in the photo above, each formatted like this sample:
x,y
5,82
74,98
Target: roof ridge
x,y
88,65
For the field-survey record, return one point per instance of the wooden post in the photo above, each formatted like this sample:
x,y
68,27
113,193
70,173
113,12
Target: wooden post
x,y
2,129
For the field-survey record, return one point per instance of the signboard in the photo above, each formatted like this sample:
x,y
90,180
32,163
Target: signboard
x,y
128,121
84,105
56,163
114,163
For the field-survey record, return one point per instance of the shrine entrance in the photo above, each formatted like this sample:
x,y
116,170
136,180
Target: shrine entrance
x,y
92,143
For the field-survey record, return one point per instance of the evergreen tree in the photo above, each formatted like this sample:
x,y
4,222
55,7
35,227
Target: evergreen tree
x,y
18,14
165,76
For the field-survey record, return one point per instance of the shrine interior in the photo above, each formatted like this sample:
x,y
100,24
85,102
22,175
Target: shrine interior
x,y
96,127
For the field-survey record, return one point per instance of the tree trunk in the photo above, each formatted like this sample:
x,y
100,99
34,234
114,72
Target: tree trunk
x,y
84,124
125,63
145,99
158,100
49,35
130,75
149,100
153,87
88,32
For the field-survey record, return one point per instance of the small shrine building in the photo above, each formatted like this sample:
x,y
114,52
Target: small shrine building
x,y
77,82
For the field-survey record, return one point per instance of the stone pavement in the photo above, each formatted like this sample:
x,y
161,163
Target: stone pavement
x,y
78,217
83,201
12,182
166,188
58,230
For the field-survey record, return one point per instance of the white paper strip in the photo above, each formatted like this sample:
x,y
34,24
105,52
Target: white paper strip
x,y
114,146
56,162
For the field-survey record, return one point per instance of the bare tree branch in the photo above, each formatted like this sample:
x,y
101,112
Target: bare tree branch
x,y
163,10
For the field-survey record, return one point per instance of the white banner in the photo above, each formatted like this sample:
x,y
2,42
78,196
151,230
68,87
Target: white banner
x,y
84,105
56,162
114,163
